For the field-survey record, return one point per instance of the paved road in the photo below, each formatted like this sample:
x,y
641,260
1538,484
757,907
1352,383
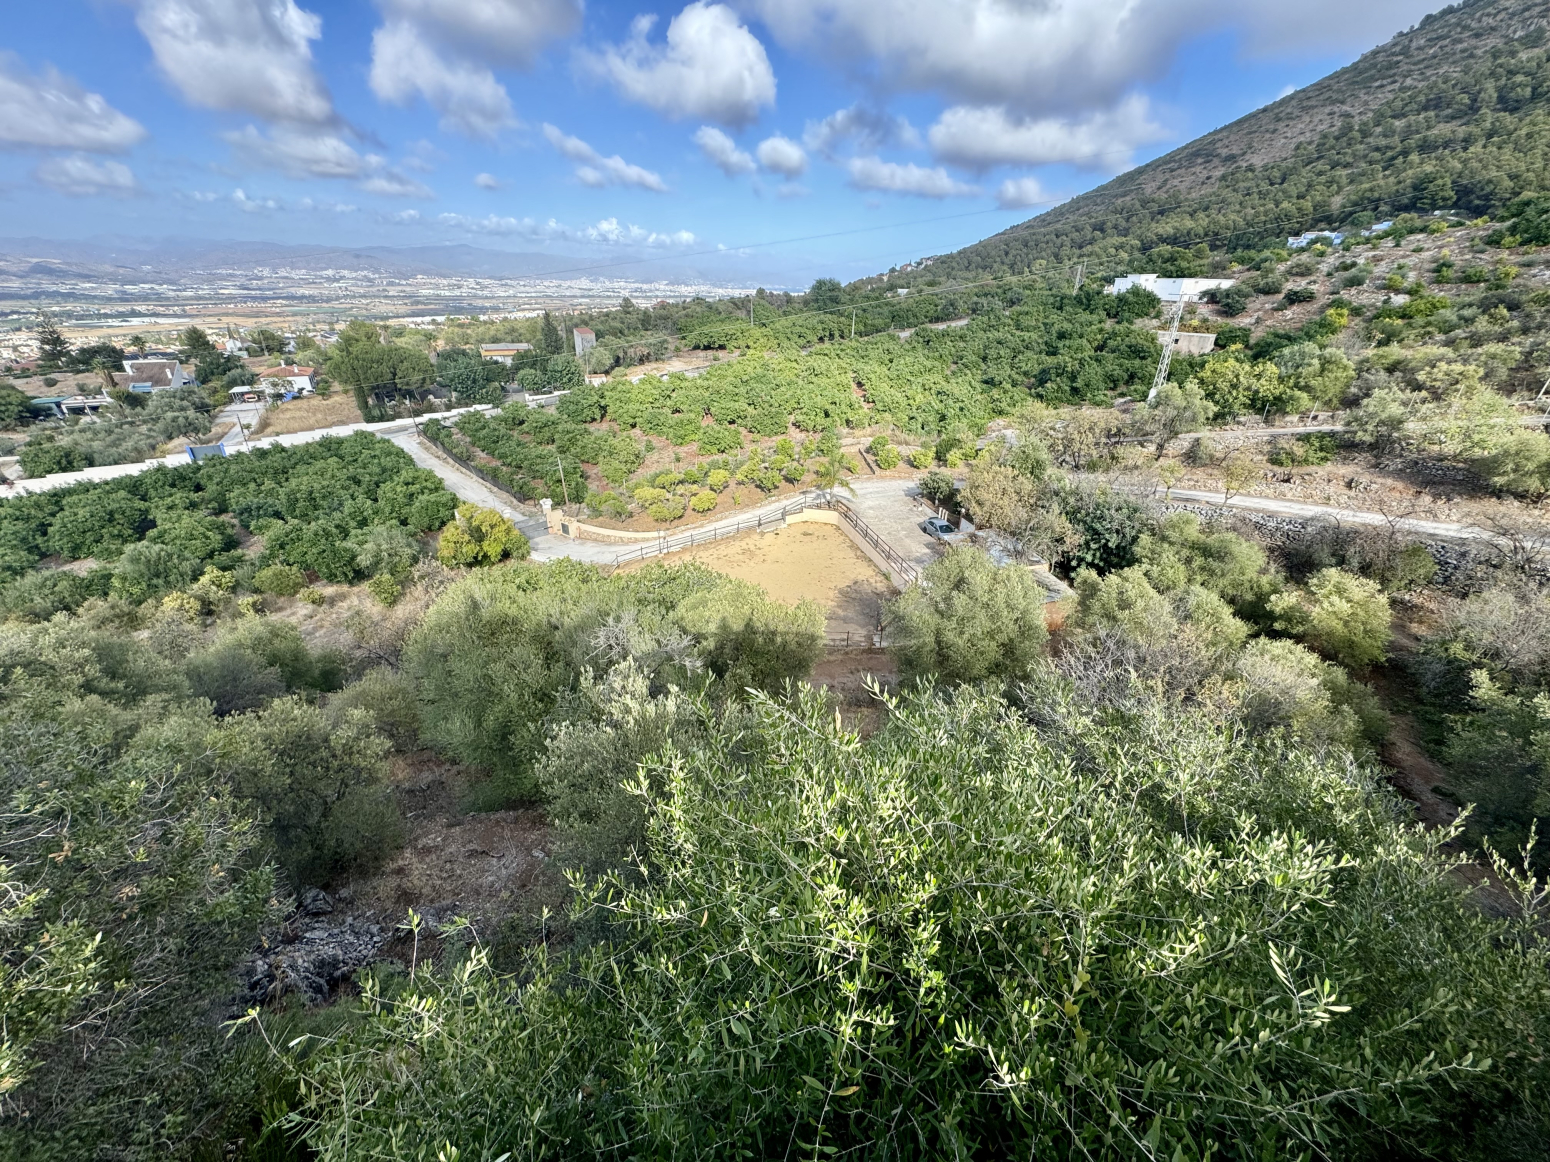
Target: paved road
x,y
1273,506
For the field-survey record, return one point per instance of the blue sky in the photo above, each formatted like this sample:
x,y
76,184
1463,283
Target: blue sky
x,y
613,131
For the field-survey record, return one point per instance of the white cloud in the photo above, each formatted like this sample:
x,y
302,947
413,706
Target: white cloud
x,y
389,183
1042,56
253,205
302,152
254,56
443,51
83,176
711,67
1020,193
596,170
204,196
322,153
978,137
403,217
783,156
872,173
487,181
723,151
324,206
866,129
468,97
608,232
51,111
497,32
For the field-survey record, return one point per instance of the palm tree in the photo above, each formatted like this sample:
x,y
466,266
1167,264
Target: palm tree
x,y
827,475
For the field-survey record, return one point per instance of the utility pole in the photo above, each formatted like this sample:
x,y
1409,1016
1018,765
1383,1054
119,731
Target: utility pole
x,y
1081,269
852,322
1168,342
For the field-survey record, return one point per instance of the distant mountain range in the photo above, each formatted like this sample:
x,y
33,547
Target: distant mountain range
x,y
1452,114
122,261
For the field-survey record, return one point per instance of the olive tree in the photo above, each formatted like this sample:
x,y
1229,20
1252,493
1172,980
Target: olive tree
x,y
967,619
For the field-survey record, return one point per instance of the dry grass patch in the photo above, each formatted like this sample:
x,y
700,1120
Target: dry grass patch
x,y
308,414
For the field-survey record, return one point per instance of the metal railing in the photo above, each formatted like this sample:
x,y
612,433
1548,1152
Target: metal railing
x,y
908,573
672,544
808,500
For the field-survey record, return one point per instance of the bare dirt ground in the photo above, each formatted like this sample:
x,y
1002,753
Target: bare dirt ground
x,y
484,866
307,414
804,561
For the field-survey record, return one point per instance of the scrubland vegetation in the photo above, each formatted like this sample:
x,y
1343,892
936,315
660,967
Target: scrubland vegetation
x,y
1125,875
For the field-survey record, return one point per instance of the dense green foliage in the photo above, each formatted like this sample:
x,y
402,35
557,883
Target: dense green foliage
x,y
496,654
147,842
1175,937
313,504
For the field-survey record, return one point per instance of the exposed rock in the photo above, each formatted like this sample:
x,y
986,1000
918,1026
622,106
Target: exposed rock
x,y
315,902
314,964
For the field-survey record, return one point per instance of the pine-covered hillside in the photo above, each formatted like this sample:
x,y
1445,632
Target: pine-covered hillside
x,y
1454,113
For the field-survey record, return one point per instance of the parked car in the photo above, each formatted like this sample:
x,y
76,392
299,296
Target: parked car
x,y
943,530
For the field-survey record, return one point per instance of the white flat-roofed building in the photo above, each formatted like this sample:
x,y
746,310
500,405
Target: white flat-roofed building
x,y
1170,290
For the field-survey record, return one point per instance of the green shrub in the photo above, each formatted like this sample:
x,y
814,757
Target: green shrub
x,y
1007,882
921,458
388,696
703,501
888,458
717,479
665,510
1342,616
279,580
480,536
319,783
145,571
385,588
967,620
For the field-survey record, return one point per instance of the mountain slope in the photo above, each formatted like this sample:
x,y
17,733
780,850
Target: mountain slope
x,y
1454,113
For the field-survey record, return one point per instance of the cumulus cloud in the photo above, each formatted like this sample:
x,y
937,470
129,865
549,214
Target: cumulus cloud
x,y
402,217
608,232
252,57
51,111
978,137
301,152
405,65
322,153
596,170
253,205
389,183
487,181
711,67
82,176
783,156
723,151
507,33
872,173
1020,193
862,128
1053,54
325,206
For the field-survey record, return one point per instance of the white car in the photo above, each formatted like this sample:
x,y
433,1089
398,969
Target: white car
x,y
943,531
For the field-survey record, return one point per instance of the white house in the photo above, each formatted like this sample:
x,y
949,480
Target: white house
x,y
1170,290
503,352
1377,228
1303,241
285,382
584,339
233,347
